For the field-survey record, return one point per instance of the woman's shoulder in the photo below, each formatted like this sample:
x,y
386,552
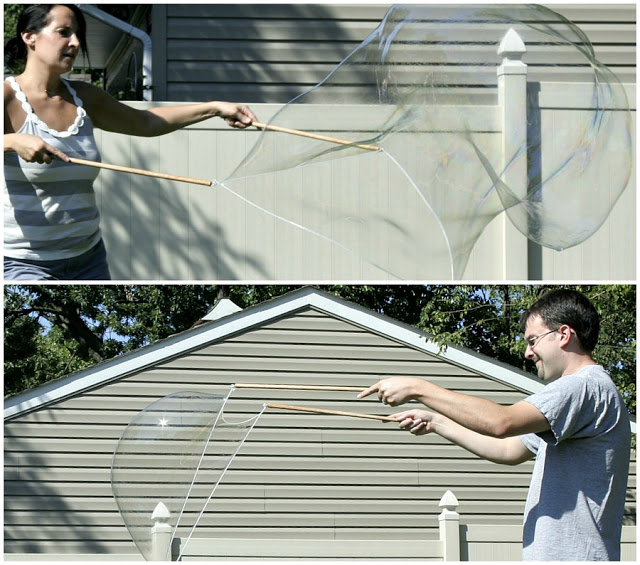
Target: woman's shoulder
x,y
9,92
88,95
84,89
92,97
13,113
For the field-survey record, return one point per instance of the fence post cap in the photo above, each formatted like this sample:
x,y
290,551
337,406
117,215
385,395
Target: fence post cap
x,y
161,513
449,501
512,45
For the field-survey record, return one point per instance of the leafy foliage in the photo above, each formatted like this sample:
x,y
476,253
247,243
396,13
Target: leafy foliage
x,y
11,14
51,331
487,319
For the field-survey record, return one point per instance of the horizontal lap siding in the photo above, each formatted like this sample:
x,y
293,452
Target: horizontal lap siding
x,y
298,476
271,53
261,53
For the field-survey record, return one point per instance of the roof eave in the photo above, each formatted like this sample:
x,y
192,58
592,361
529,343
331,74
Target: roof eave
x,y
244,320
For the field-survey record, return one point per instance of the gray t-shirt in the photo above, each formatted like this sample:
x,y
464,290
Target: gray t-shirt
x,y
576,499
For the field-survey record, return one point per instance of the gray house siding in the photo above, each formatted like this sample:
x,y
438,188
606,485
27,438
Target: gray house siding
x,y
269,53
299,476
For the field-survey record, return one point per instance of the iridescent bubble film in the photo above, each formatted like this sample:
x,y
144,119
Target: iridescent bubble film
x,y
427,96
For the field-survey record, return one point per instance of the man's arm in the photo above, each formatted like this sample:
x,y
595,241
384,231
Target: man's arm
x,y
476,414
507,451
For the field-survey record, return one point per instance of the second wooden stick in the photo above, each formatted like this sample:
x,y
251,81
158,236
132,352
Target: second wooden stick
x,y
317,136
331,412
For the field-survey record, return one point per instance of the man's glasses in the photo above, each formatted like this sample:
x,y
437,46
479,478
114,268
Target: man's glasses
x,y
531,341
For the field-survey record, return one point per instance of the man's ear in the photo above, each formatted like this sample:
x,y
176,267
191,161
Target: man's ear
x,y
566,332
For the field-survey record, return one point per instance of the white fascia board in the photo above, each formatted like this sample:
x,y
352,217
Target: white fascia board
x,y
161,351
244,320
415,338
493,369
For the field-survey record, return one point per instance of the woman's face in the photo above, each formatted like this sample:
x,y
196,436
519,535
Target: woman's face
x,y
56,44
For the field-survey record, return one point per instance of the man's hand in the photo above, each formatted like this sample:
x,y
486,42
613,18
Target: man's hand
x,y
395,390
419,422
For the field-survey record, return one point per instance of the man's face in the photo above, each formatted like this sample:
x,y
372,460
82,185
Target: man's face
x,y
543,349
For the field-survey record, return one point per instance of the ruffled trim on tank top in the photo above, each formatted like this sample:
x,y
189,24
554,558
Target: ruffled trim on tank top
x,y
31,115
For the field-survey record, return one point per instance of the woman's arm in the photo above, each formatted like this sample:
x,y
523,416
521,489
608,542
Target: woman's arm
x,y
109,114
30,148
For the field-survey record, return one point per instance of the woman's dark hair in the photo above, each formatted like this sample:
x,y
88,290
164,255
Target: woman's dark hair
x,y
33,18
566,306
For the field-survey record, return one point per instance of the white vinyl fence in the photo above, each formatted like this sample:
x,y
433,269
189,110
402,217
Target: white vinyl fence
x,y
163,230
456,542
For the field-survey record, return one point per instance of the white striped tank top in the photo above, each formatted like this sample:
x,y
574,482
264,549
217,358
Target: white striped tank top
x,y
50,211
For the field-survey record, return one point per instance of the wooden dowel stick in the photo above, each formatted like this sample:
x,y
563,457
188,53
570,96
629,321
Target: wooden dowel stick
x,y
317,136
331,412
139,172
302,387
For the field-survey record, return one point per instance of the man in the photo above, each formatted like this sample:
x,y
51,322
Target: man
x,y
577,428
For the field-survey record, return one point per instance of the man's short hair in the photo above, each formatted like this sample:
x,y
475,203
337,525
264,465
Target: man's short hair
x,y
565,306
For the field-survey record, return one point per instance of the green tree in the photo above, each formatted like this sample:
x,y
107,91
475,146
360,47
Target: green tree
x,y
487,319
11,14
51,331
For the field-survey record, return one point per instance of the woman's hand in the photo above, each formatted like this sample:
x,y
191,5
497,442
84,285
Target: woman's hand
x,y
419,422
32,148
236,115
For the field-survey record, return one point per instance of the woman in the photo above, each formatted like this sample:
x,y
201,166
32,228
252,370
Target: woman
x,y
51,228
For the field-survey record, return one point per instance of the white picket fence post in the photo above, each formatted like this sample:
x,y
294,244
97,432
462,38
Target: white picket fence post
x,y
449,525
512,99
161,534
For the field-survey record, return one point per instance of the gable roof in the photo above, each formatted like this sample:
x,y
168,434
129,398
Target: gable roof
x,y
243,321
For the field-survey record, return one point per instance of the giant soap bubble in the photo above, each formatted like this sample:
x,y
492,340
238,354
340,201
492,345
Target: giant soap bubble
x,y
425,98
170,460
